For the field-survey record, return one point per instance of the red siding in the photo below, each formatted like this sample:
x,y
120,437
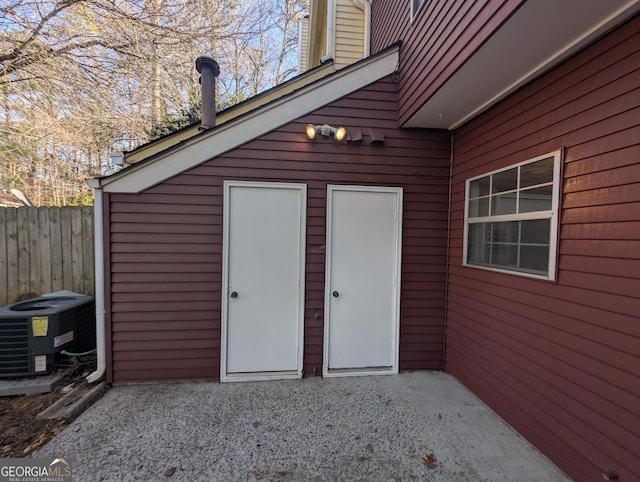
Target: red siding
x,y
561,361
166,243
443,35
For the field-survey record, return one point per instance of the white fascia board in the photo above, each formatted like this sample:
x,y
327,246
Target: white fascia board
x,y
252,125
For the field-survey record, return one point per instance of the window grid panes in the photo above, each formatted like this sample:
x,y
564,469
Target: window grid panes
x,y
510,214
522,245
526,188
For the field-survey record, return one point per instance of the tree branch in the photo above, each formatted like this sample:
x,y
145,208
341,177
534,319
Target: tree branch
x,y
61,6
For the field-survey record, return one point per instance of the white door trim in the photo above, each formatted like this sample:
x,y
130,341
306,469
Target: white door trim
x,y
326,371
257,376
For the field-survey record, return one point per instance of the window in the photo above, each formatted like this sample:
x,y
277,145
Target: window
x,y
511,218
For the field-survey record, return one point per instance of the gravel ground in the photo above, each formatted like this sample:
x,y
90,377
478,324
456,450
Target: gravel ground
x,y
412,426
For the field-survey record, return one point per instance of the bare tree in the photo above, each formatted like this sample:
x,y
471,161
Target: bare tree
x,y
79,78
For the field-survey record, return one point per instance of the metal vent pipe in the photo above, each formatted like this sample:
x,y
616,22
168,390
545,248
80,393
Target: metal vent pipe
x,y
208,70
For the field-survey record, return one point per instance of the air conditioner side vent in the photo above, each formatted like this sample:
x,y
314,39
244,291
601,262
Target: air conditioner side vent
x,y
14,346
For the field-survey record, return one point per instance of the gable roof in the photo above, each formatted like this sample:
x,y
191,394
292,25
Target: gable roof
x,y
265,118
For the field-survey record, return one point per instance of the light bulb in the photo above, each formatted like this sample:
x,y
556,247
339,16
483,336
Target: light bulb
x,y
341,134
311,131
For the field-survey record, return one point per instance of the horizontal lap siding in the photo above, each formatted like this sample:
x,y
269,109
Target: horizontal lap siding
x,y
166,243
349,32
560,360
165,262
442,36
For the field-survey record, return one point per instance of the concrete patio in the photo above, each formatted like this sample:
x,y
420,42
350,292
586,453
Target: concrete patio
x,y
413,426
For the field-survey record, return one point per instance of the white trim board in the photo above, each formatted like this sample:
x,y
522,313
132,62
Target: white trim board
x,y
264,119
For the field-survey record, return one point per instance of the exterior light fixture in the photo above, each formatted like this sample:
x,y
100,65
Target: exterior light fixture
x,y
311,131
339,133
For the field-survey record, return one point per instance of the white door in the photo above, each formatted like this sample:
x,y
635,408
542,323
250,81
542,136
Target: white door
x,y
362,290
263,280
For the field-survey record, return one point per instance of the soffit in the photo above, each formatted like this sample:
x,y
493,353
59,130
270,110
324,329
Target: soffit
x,y
537,37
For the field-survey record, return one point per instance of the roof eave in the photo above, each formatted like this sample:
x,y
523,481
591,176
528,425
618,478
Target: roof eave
x,y
516,54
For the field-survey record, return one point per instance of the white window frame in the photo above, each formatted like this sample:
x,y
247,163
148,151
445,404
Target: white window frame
x,y
551,214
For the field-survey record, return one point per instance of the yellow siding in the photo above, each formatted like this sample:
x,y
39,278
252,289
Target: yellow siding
x,y
349,33
303,45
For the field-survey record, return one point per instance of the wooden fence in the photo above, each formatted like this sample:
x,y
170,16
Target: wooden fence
x,y
45,249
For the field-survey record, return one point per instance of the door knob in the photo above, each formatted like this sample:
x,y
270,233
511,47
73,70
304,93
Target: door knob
x,y
234,294
335,294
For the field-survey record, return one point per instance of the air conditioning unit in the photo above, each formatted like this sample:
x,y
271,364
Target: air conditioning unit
x,y
34,331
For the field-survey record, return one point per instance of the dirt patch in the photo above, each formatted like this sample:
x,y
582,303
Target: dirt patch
x,y
20,431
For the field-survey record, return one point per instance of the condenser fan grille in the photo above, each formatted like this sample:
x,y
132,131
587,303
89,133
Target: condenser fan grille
x,y
14,346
